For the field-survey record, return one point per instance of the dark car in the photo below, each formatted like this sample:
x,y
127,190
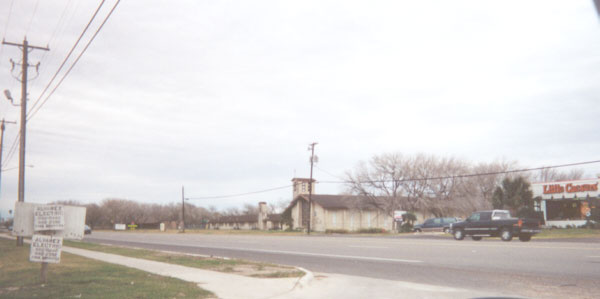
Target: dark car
x,y
435,225
87,230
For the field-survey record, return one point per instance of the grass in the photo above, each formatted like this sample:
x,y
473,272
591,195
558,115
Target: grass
x,y
217,232
562,233
236,266
78,277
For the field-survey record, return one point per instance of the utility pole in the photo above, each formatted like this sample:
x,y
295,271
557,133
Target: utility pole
x,y
310,184
182,210
2,146
24,66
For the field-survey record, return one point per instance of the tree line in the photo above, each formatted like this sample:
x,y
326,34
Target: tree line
x,y
113,211
441,186
426,184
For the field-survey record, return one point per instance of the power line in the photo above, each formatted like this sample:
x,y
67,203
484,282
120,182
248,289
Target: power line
x,y
32,16
6,29
33,112
13,149
329,173
240,194
467,175
33,107
404,180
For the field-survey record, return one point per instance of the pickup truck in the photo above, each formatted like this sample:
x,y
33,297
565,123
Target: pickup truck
x,y
495,223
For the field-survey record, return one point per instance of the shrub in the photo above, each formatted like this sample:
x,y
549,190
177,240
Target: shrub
x,y
336,231
372,230
406,227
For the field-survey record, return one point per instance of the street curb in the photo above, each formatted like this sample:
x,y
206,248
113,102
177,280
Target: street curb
x,y
304,280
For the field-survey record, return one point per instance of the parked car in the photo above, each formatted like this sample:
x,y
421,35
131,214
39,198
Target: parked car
x,y
495,223
435,225
87,230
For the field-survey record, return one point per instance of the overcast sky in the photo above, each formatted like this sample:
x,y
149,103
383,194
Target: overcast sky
x,y
224,97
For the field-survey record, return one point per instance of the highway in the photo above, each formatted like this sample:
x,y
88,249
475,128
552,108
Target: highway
x,y
532,269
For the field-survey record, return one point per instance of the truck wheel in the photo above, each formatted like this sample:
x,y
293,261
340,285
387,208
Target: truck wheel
x,y
476,238
446,230
506,234
417,230
459,234
524,238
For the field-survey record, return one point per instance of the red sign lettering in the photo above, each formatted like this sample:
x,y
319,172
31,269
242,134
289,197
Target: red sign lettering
x,y
570,188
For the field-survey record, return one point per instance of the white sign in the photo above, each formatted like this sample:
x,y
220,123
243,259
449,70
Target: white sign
x,y
120,226
398,215
49,217
45,249
73,224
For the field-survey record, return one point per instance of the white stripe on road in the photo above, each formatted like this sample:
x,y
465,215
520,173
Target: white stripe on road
x,y
594,256
339,256
362,246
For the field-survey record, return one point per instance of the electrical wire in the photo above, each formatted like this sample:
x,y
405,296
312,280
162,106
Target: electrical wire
x,y
6,29
402,180
239,194
33,112
328,173
12,150
33,107
467,175
50,54
32,17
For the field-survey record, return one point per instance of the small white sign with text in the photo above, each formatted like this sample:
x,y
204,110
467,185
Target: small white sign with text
x,y
48,217
45,249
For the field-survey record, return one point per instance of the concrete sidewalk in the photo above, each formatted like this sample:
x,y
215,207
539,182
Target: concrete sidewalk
x,y
222,284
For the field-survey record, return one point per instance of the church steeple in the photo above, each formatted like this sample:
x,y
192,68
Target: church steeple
x,y
301,186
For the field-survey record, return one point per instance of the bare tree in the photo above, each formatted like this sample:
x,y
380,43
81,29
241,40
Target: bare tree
x,y
249,209
553,174
380,181
481,186
445,196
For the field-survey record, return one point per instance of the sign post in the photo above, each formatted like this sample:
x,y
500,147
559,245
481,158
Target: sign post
x,y
46,248
47,225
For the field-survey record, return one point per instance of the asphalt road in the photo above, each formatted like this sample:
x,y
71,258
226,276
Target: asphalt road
x,y
532,269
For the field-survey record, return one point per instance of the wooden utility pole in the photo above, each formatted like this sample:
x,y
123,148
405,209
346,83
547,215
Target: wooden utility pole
x,y
24,66
310,183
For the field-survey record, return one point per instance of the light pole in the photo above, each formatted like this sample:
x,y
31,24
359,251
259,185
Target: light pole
x,y
310,183
182,210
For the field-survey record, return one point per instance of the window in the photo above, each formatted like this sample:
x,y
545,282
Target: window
x,y
501,215
474,217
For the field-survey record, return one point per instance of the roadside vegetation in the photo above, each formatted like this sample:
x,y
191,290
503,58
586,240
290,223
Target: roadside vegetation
x,y
78,277
564,233
233,266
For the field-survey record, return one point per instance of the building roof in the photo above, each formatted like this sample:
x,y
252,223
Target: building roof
x,y
341,201
302,180
251,218
274,217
